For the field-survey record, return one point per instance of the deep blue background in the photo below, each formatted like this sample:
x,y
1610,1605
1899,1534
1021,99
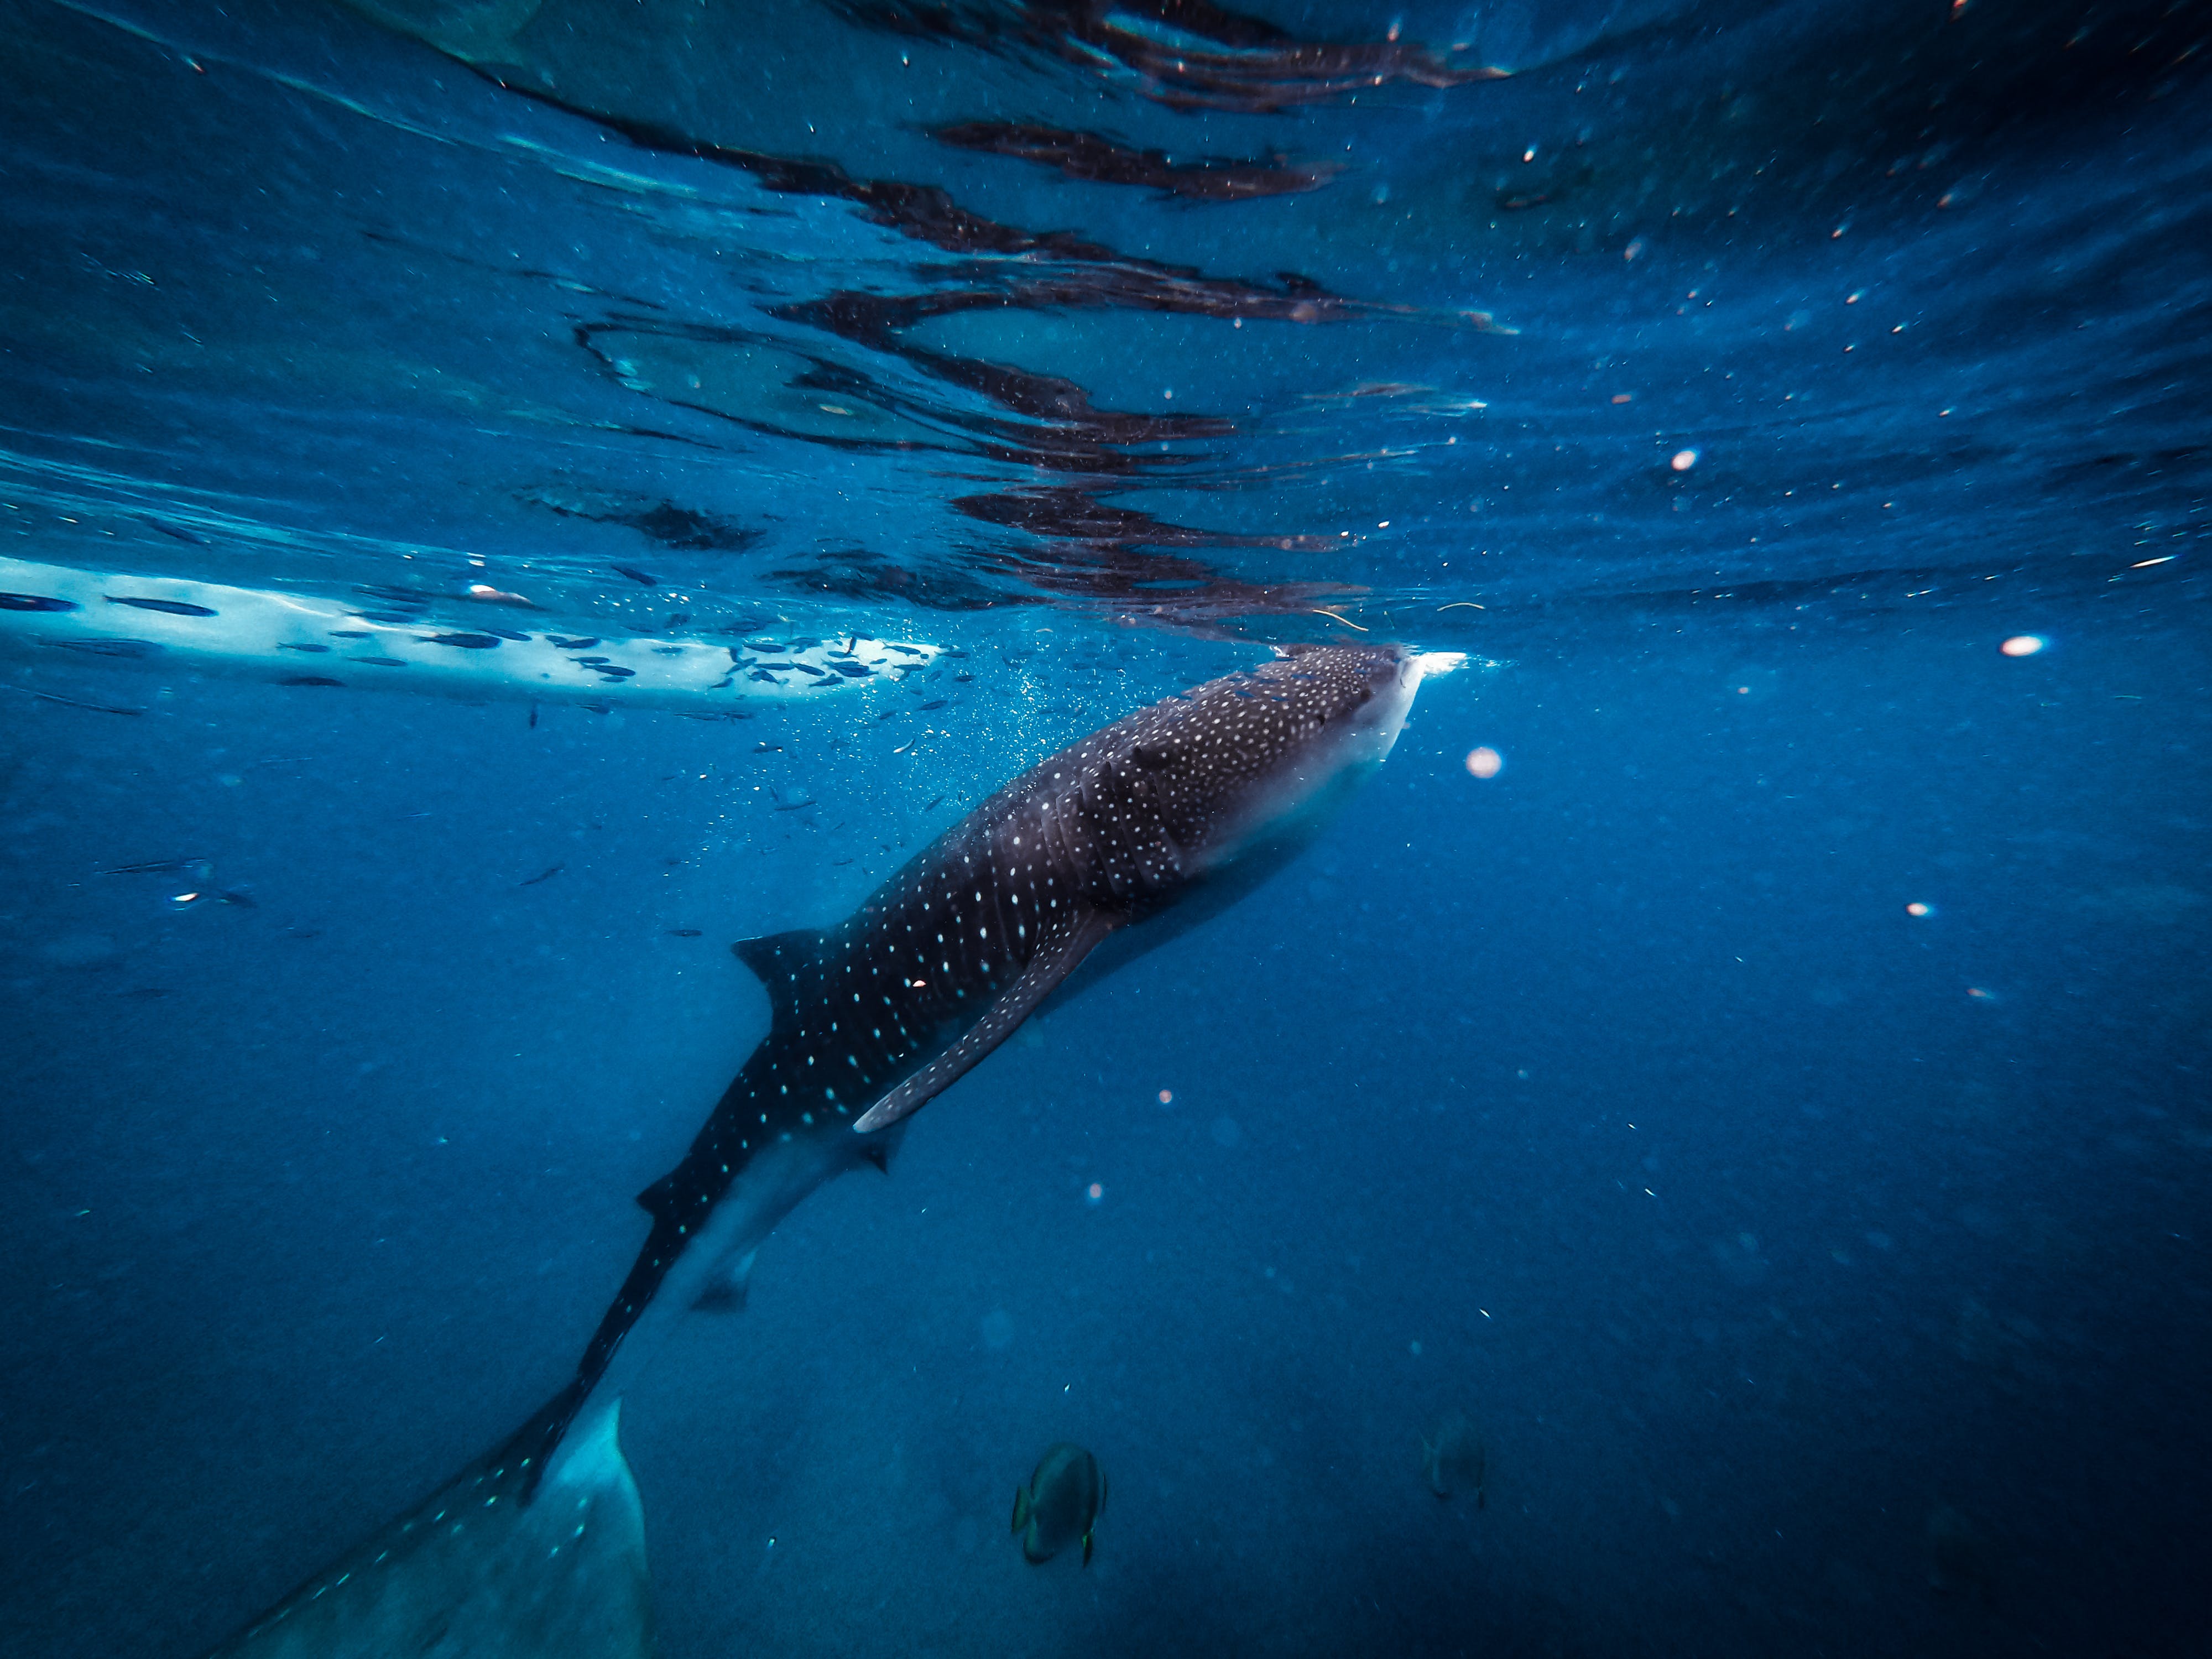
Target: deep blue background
x,y
1615,1101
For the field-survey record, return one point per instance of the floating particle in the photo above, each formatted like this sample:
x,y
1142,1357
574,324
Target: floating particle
x,y
1485,762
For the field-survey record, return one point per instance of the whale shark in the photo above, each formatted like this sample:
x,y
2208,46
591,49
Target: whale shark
x,y
1172,812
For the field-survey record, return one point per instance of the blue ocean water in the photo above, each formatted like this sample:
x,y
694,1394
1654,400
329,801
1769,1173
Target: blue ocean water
x,y
1772,1105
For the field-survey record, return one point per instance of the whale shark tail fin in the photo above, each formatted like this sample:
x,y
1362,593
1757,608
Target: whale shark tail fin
x,y
487,1567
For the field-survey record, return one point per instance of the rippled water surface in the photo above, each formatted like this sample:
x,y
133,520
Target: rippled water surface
x,y
499,498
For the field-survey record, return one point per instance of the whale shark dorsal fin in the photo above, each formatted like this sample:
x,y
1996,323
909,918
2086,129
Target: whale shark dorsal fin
x,y
776,959
1057,956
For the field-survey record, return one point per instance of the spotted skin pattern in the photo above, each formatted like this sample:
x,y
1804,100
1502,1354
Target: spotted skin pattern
x,y
874,1016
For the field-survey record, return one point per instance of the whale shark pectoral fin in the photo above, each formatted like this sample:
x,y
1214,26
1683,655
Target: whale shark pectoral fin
x,y
725,1291
783,963
1057,954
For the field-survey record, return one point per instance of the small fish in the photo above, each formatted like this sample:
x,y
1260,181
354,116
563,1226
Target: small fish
x,y
543,875
192,869
683,933
935,804
533,717
638,576
465,641
1063,1502
132,650
147,993
572,644
313,650
1452,1456
174,607
934,702
33,602
238,897
378,662
309,679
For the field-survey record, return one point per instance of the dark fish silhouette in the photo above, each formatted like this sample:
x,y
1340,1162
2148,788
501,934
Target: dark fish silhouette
x,y
1065,1496
33,602
1452,1458
683,933
543,875
174,607
197,869
78,702
642,578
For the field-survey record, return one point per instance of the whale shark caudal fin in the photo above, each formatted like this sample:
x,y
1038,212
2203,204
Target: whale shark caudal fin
x,y
477,1572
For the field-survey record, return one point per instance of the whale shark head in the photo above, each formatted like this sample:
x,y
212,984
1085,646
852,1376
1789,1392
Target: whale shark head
x,y
1261,759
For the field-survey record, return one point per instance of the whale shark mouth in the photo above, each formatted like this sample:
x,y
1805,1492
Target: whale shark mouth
x,y
482,643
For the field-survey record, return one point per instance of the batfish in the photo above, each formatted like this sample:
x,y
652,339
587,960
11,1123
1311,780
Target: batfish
x,y
1065,1496
1452,1458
